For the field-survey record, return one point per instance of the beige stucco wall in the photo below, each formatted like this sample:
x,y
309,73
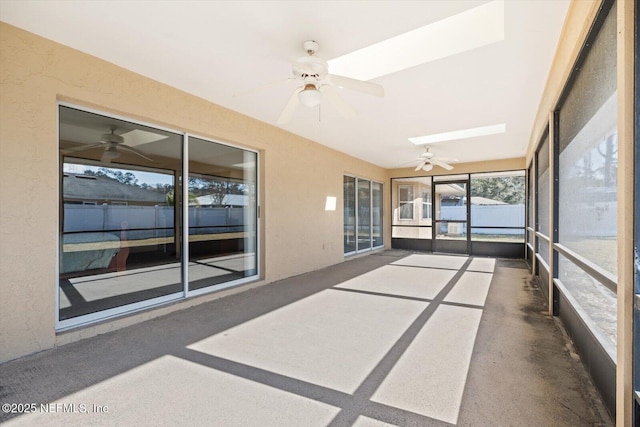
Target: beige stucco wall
x,y
298,235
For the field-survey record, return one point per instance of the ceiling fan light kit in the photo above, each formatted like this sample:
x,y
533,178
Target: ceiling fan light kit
x,y
110,153
428,160
319,86
310,96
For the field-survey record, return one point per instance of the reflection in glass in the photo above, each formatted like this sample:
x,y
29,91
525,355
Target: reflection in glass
x,y
119,221
364,231
364,214
376,205
349,203
222,213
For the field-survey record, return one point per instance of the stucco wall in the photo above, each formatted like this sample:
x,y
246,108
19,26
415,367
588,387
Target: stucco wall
x,y
298,235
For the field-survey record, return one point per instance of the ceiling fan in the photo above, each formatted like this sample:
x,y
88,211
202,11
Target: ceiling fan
x,y
428,160
318,85
113,145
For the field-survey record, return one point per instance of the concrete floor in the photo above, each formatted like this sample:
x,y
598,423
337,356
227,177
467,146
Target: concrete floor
x,y
393,338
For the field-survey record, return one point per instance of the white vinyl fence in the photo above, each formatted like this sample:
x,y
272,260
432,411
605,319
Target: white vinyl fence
x,y
488,216
149,221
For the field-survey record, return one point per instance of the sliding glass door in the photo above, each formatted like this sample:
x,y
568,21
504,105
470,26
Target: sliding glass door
x,y
362,204
222,213
127,206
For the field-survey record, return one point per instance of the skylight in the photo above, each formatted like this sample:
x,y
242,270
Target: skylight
x,y
459,33
459,134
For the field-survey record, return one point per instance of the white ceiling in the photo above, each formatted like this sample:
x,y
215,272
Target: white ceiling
x,y
215,49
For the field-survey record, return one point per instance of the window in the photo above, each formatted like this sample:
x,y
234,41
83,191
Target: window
x,y
122,230
588,165
542,202
406,201
530,212
411,216
362,214
426,204
498,206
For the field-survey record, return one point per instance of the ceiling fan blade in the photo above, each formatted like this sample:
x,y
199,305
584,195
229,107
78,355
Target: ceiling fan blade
x,y
357,85
420,165
442,164
132,150
81,148
331,94
291,106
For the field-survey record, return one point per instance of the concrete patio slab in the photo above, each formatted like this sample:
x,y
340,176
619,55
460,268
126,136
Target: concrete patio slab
x,y
324,349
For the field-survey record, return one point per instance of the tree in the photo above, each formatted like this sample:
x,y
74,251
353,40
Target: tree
x,y
127,178
507,189
170,198
217,188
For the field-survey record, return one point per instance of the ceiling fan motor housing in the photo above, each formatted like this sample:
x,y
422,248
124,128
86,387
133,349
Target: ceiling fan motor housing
x,y
112,138
310,66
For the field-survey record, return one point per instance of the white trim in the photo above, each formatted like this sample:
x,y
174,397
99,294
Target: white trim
x,y
115,312
184,261
58,219
115,116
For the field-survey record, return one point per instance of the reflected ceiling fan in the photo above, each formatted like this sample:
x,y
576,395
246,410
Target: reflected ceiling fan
x,y
428,160
317,85
113,144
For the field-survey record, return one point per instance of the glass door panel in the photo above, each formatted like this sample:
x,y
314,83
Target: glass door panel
x,y
376,202
349,194
119,218
364,214
222,214
451,213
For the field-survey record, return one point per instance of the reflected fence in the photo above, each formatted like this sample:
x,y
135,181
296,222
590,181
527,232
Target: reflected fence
x,y
145,222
